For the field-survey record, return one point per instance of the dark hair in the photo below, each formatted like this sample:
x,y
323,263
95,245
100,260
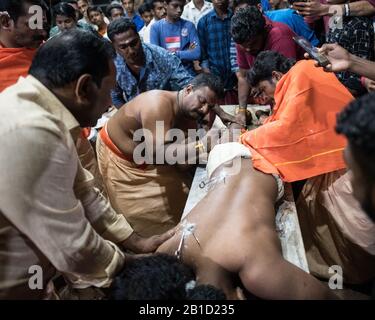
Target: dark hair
x,y
64,9
94,8
236,3
156,277
16,8
209,80
265,63
144,7
357,123
67,56
169,1
71,1
120,26
205,292
114,6
151,3
247,23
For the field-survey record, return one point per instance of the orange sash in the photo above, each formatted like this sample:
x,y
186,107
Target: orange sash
x,y
14,62
298,140
111,146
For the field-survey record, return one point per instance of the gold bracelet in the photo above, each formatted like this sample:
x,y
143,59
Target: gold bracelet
x,y
199,145
239,109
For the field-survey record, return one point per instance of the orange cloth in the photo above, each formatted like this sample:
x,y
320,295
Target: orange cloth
x,y
14,62
111,146
298,140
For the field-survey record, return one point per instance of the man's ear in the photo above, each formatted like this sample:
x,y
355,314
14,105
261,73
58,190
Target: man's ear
x,y
277,75
6,22
188,89
83,89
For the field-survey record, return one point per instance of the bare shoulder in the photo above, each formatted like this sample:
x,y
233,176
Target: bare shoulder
x,y
157,104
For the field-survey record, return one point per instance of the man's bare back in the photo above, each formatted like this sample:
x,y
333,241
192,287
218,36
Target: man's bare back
x,y
141,112
235,236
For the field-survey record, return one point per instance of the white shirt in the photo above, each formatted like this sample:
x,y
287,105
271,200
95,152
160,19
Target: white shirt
x,y
144,33
193,14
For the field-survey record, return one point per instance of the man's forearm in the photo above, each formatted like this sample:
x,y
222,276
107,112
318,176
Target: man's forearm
x,y
361,8
362,67
243,91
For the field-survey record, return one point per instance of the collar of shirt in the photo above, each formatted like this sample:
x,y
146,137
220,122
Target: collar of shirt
x,y
50,103
206,5
131,81
227,16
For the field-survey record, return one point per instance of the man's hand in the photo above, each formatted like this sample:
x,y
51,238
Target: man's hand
x,y
138,244
369,84
311,9
228,118
339,58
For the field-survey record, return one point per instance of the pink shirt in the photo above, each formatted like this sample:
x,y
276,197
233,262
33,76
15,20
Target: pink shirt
x,y
280,39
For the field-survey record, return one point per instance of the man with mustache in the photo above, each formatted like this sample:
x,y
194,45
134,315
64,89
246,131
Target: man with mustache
x,y
147,188
141,67
51,215
18,41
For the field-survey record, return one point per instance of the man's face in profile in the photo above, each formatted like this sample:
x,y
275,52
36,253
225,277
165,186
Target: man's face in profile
x,y
198,103
24,33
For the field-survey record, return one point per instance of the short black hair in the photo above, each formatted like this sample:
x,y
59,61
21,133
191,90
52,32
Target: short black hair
x,y
236,3
157,277
94,8
265,63
64,9
119,26
114,6
209,80
67,56
357,123
16,8
247,23
71,1
169,1
205,292
152,2
144,7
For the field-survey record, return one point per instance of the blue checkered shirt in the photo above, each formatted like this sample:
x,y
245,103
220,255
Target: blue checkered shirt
x,y
162,71
215,39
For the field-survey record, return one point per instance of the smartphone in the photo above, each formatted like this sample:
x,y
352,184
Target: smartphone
x,y
312,51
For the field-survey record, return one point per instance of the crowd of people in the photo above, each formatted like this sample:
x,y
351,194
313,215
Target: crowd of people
x,y
106,111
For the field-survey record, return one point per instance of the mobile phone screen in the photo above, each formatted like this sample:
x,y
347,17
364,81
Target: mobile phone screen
x,y
311,50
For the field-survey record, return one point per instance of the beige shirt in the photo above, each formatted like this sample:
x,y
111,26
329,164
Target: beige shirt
x,y
51,215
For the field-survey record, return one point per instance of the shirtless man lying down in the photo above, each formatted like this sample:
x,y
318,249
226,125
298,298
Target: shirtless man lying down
x,y
231,235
